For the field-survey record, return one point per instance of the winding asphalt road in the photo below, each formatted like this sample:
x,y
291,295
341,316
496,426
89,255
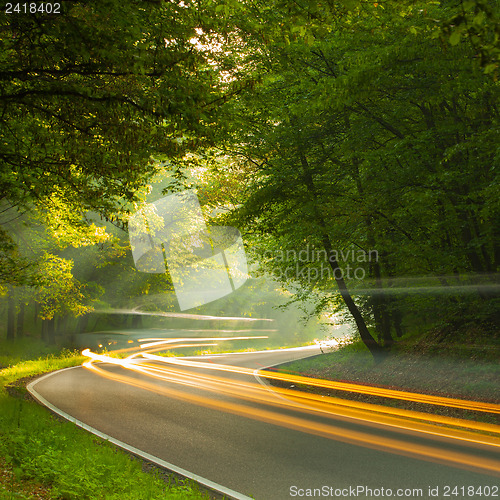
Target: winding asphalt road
x,y
240,437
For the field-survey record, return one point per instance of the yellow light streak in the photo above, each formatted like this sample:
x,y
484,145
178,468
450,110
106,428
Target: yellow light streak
x,y
416,421
159,341
256,393
133,362
347,386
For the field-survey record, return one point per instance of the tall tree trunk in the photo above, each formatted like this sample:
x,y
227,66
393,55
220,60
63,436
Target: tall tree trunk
x,y
44,330
378,300
137,321
124,319
397,321
62,324
83,322
51,333
20,320
377,351
11,314
380,304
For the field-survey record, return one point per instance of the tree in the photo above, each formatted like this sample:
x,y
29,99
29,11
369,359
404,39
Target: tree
x,y
366,134
89,95
59,293
92,100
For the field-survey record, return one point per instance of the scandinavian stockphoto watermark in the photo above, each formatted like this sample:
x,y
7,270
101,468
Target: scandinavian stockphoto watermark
x,y
204,263
311,264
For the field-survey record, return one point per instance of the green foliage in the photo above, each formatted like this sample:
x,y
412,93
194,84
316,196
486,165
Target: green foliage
x,y
93,101
13,353
90,95
74,464
356,125
478,22
371,135
59,292
14,268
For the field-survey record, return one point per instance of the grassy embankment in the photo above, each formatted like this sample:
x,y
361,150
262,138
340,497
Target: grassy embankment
x,y
43,457
459,361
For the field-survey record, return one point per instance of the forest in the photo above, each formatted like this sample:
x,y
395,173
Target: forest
x,y
353,144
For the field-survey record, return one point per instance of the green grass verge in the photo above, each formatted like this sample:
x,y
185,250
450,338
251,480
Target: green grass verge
x,y
72,464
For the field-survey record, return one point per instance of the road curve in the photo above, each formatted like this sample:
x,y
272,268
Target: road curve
x,y
234,434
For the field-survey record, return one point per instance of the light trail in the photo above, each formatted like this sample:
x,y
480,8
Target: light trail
x,y
273,405
399,419
276,411
341,386
180,315
153,342
161,344
132,362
